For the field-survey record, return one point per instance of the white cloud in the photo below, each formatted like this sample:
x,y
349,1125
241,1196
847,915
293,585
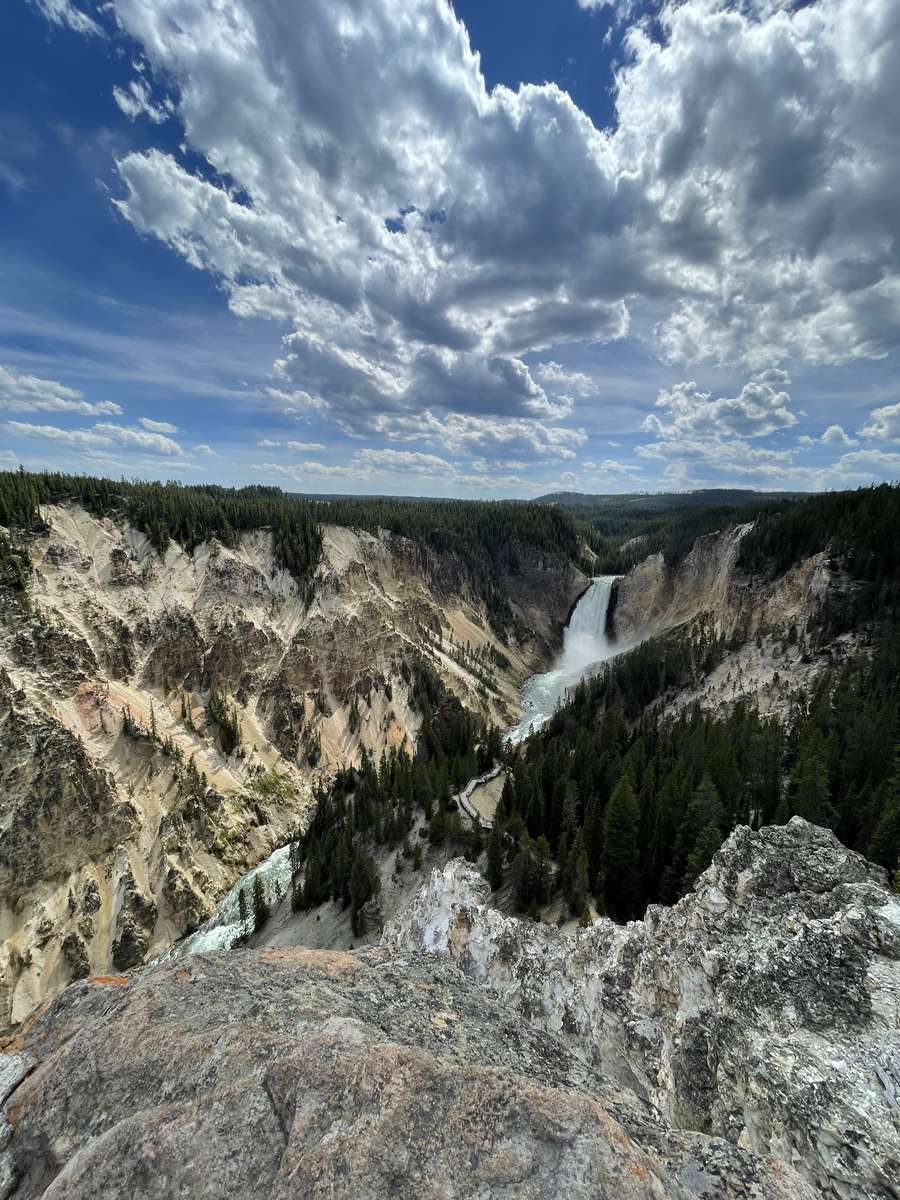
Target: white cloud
x,y
883,423
304,445
157,443
137,99
403,460
426,237
157,426
77,437
28,393
834,435
689,412
104,433
301,470
205,448
64,12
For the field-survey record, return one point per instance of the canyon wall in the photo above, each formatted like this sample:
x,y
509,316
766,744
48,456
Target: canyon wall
x,y
122,817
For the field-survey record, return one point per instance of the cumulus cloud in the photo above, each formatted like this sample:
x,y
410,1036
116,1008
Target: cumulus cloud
x,y
403,460
205,448
427,237
104,433
758,409
157,426
834,435
28,393
883,423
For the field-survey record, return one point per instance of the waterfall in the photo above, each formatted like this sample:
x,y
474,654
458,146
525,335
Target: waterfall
x,y
585,643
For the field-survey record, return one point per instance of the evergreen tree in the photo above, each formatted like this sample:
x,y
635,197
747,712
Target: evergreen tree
x,y
260,903
620,862
884,845
495,854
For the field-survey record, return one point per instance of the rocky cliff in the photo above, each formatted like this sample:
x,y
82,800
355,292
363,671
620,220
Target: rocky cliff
x,y
743,1045
124,813
761,621
654,597
763,1008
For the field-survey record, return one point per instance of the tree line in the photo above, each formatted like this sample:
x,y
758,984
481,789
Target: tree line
x,y
489,541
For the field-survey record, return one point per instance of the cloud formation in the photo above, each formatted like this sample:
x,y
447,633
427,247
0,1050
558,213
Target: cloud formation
x,y
158,426
104,433
28,393
439,250
760,408
883,423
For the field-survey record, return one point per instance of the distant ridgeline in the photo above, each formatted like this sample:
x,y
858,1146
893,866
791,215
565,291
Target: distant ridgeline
x,y
623,530
488,537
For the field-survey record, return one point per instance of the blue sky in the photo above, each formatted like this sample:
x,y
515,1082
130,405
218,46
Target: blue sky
x,y
352,246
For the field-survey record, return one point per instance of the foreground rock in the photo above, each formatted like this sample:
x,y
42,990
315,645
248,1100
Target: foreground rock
x,y
743,1045
298,1073
763,1008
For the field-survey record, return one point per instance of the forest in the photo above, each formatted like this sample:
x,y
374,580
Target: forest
x,y
632,810
622,530
613,804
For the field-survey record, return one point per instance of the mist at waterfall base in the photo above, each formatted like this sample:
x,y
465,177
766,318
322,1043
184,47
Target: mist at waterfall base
x,y
584,645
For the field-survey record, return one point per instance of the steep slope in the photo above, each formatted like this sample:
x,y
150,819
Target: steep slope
x,y
125,677
762,621
762,1008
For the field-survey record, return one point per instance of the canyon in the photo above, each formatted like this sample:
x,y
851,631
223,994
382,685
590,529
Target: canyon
x,y
113,843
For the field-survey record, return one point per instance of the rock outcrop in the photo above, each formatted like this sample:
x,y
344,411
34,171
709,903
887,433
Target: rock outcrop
x,y
763,1008
743,1045
654,597
299,1073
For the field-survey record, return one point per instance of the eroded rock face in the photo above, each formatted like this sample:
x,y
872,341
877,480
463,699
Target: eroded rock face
x,y
298,1073
111,771
763,1008
653,598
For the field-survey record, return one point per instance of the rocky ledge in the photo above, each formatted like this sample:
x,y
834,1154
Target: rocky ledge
x,y
763,1008
743,1045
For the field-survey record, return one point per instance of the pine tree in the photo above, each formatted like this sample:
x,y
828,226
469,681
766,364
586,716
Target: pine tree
x,y
813,794
708,842
620,859
884,845
260,903
495,855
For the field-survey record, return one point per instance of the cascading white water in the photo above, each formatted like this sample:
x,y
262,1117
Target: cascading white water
x,y
224,927
584,644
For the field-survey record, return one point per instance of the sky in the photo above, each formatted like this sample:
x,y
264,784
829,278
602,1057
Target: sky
x,y
499,248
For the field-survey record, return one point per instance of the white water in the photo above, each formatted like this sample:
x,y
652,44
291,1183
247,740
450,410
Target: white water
x,y
223,928
584,645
